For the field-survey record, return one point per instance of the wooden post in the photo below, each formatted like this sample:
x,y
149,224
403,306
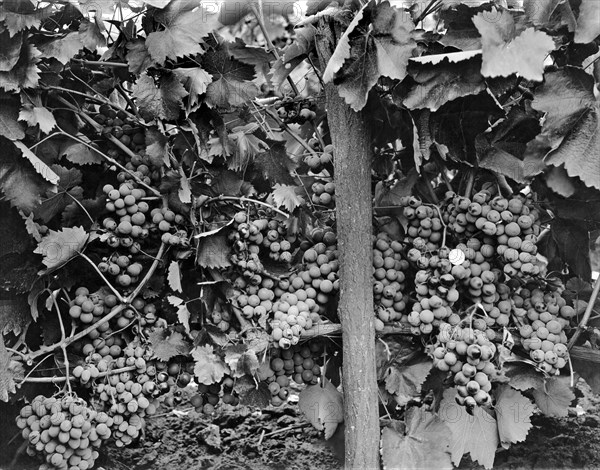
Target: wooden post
x,y
351,138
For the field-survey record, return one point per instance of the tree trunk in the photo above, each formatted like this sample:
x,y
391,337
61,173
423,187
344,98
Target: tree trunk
x,y
351,138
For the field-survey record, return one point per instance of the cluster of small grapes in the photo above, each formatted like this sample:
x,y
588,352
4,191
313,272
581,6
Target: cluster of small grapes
x,y
251,235
220,317
295,110
255,301
208,396
424,222
511,226
121,268
292,316
388,283
302,363
467,353
323,194
65,432
118,124
323,157
544,335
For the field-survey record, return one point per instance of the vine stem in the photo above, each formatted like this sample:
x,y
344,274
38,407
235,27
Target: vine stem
x,y
68,378
587,314
106,281
101,63
245,199
63,337
81,206
470,181
293,134
112,138
148,275
257,10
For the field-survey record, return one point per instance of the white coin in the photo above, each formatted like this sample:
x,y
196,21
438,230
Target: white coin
x,y
456,257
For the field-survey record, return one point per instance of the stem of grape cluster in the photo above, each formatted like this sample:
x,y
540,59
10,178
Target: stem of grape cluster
x,y
587,314
68,378
106,281
245,199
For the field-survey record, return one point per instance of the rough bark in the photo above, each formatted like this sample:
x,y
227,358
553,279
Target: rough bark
x,y
350,135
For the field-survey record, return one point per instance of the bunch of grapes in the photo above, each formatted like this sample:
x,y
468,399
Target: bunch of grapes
x,y
125,271
323,158
389,279
467,353
543,332
66,432
295,110
118,124
323,194
424,223
208,396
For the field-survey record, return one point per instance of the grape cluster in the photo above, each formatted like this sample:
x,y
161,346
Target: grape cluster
x,y
388,279
323,194
125,271
510,226
295,110
543,335
118,124
323,158
208,396
467,353
66,432
424,223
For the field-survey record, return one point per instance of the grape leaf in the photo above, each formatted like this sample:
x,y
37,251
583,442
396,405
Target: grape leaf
x,y
10,50
323,407
174,276
424,443
571,118
241,360
275,164
550,14
163,101
588,24
252,394
58,248
9,114
476,434
156,146
558,180
293,55
80,154
554,398
8,369
580,150
209,367
21,185
286,195
138,58
523,376
68,190
62,49
183,314
40,167
461,33
37,115
392,33
213,252
504,53
166,346
185,26
232,80
15,315
90,35
246,146
589,370
195,81
445,81
342,49
513,413
24,16
25,74
405,381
